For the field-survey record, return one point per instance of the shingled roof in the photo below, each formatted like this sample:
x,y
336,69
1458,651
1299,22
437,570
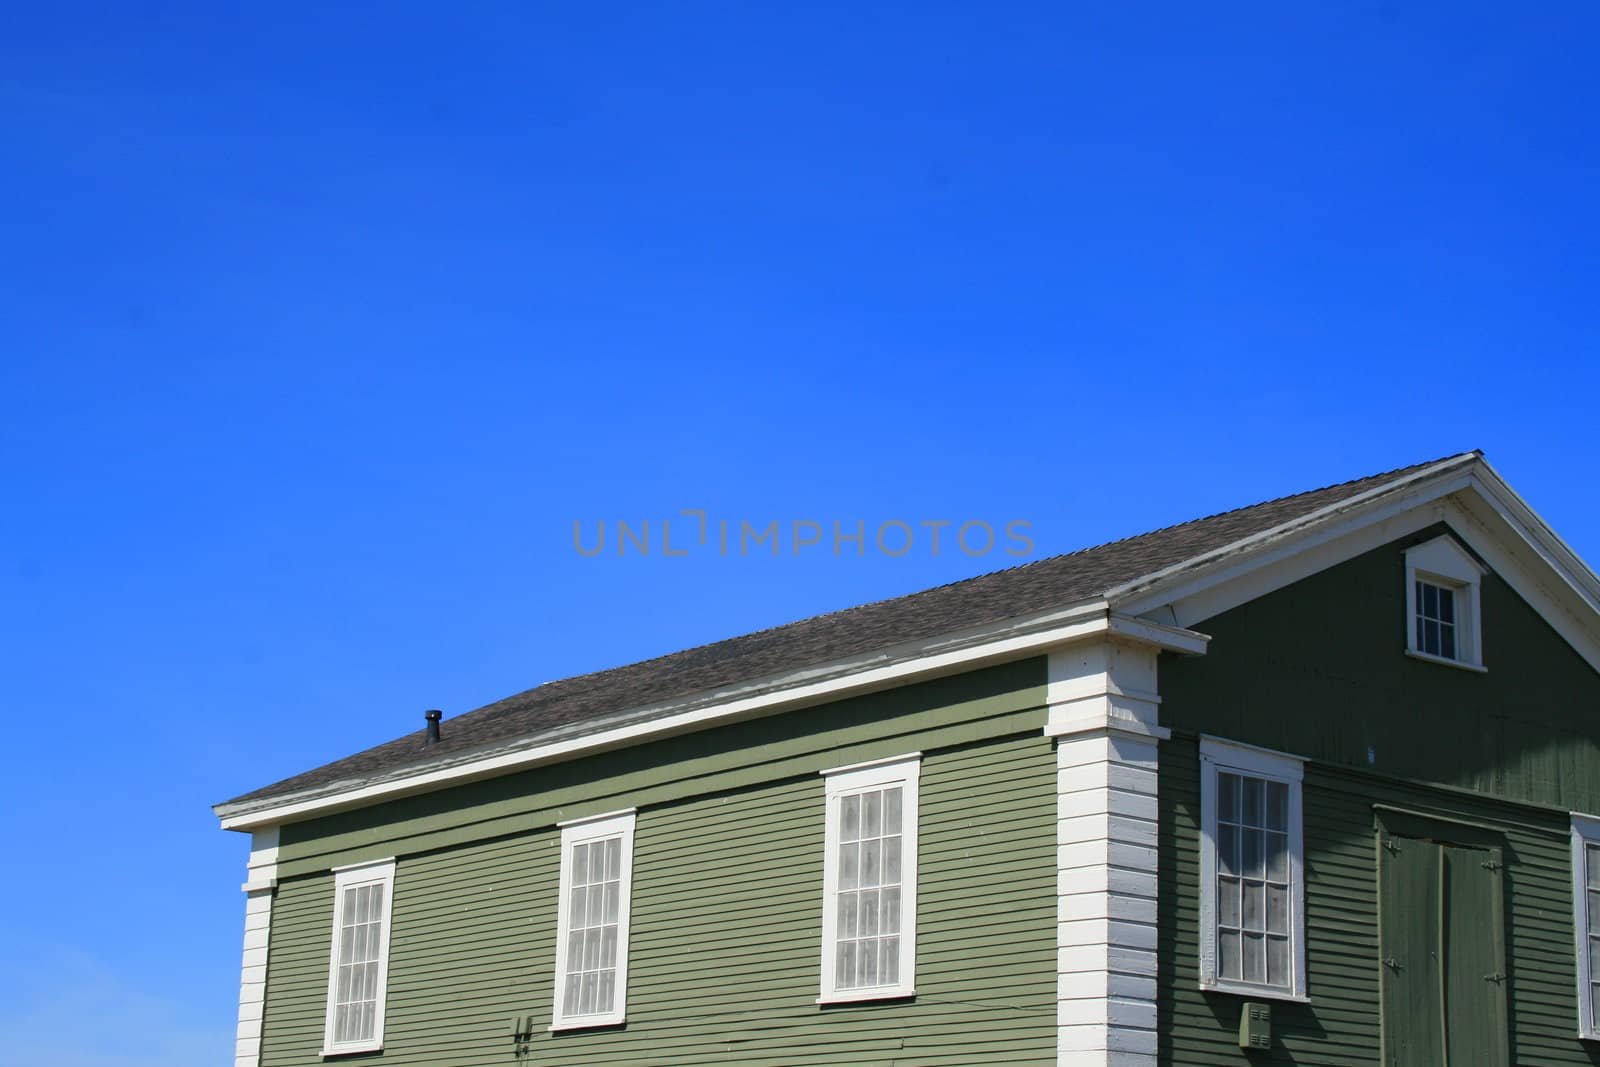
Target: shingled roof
x,y
989,598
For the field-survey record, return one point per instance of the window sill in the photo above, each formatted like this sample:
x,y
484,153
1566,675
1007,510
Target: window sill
x,y
857,996
594,1022
1255,992
351,1050
1444,662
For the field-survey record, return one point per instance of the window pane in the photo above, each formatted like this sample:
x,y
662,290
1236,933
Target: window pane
x,y
614,858
1278,857
1252,801
871,862
608,947
849,866
607,991
1422,635
1228,955
847,915
891,861
613,898
1277,806
1594,1000
869,914
1250,854
1254,905
591,988
872,815
1228,797
1430,637
1277,909
1228,902
1593,852
867,963
1447,641
1594,958
850,818
591,950
1447,605
844,972
1253,956
1227,850
889,961
891,810
1278,961
578,915
597,862
1430,600
890,924
580,864
570,997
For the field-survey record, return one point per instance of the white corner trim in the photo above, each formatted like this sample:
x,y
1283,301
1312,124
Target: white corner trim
x,y
618,825
1585,831
259,885
1107,866
947,654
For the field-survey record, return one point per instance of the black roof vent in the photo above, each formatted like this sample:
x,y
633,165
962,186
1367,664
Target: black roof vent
x,y
433,718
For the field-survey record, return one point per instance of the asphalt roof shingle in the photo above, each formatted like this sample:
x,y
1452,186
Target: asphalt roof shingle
x,y
989,598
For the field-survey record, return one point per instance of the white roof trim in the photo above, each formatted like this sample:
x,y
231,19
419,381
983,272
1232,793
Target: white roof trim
x,y
947,654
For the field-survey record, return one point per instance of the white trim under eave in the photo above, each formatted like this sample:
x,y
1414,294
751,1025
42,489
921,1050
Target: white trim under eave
x,y
947,654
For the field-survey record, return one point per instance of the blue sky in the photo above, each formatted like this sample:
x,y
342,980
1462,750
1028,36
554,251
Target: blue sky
x,y
322,327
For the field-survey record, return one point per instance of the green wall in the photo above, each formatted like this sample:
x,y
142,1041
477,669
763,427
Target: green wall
x,y
726,900
1317,669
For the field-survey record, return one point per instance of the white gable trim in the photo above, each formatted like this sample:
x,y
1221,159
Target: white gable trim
x,y
1465,493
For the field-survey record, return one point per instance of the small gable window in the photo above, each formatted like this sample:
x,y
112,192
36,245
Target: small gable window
x,y
1443,583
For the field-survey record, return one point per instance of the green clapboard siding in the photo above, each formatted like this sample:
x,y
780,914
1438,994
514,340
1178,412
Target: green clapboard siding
x,y
1318,669
725,936
1342,1024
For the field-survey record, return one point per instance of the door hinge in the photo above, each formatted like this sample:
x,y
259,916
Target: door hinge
x,y
1491,865
1391,963
1496,977
1389,844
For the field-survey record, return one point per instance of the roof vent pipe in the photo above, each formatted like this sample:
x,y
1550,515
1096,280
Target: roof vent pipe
x,y
433,718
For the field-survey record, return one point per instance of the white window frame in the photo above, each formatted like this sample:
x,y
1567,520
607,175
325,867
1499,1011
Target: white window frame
x,y
1444,563
1585,831
1217,754
904,771
377,872
619,824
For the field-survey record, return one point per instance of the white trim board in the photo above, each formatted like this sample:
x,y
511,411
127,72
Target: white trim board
x,y
260,884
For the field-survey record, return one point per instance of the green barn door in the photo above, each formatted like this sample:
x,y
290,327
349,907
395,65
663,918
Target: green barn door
x,y
1441,944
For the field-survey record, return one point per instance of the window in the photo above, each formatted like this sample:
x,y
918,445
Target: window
x,y
1252,898
1586,919
869,871
1442,604
592,924
358,971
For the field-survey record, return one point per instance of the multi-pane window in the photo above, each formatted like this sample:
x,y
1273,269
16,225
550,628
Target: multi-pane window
x,y
870,881
1436,619
1586,919
592,928
1252,911
1252,880
1444,585
358,969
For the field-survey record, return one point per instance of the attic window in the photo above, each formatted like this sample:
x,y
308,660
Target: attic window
x,y
1443,584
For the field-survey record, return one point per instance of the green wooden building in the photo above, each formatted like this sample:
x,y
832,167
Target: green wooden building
x,y
1314,782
